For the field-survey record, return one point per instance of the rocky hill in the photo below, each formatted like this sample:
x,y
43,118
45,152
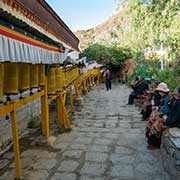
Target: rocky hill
x,y
108,32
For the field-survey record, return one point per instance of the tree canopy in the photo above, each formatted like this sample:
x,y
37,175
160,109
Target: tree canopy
x,y
111,56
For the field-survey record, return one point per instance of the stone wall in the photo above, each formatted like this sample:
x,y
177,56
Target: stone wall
x,y
25,114
170,148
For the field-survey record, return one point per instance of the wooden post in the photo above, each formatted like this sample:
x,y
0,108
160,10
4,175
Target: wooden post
x,y
67,123
60,117
16,144
71,99
76,89
45,111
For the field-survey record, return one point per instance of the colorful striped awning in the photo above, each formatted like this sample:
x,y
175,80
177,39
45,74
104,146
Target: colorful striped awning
x,y
17,47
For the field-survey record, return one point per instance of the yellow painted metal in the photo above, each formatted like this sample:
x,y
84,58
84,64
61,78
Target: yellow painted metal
x,y
34,76
23,76
71,98
51,81
10,78
41,74
16,144
1,81
45,111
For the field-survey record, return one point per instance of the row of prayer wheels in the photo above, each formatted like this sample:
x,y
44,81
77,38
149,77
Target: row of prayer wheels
x,y
95,72
59,78
18,77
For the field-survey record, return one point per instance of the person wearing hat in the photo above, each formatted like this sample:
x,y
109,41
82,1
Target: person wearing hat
x,y
173,119
155,124
163,91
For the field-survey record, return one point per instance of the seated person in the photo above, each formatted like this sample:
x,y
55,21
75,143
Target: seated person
x,y
138,89
147,106
173,119
152,99
134,81
155,123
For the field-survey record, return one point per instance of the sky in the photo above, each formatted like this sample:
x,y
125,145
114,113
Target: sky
x,y
83,14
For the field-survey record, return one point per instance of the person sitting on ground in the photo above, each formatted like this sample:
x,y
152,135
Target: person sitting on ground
x,y
154,125
138,89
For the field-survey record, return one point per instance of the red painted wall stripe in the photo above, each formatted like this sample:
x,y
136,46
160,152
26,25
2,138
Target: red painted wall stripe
x,y
13,36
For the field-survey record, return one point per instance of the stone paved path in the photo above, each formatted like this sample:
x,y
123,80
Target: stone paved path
x,y
107,143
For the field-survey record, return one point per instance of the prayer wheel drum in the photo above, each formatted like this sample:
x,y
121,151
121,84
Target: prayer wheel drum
x,y
1,81
51,81
24,76
34,76
59,78
66,77
41,74
10,78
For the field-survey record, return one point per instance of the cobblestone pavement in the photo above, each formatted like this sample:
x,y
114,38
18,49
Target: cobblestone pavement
x,y
107,143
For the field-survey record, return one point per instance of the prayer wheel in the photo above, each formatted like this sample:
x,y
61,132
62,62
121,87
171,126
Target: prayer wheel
x,y
1,81
34,76
41,74
10,78
24,76
59,78
51,84
63,79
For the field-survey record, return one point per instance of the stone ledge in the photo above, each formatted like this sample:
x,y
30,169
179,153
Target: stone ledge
x,y
170,148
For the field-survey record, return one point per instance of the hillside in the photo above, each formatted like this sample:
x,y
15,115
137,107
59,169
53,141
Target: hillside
x,y
107,32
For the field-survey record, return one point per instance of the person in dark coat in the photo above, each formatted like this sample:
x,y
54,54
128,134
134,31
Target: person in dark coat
x,y
138,89
173,119
107,76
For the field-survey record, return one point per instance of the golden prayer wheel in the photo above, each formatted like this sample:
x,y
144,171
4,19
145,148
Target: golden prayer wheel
x,y
1,81
59,78
51,81
63,79
10,78
23,76
41,74
34,76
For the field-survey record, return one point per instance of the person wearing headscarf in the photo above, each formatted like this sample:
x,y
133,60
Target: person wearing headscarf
x,y
155,123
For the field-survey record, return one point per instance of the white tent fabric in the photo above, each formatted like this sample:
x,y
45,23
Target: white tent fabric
x,y
16,51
